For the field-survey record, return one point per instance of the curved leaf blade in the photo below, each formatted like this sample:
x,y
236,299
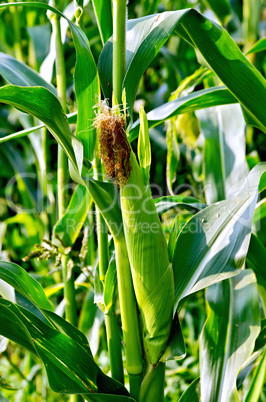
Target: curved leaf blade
x,y
103,12
204,98
71,372
13,328
85,78
214,243
87,89
259,46
258,381
69,226
42,104
71,117
225,167
164,204
17,277
192,394
145,37
229,334
17,73
223,55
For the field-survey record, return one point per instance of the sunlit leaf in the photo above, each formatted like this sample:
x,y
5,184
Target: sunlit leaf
x,y
204,98
192,394
72,372
17,277
234,310
69,226
147,35
42,104
214,243
103,12
17,73
259,46
224,166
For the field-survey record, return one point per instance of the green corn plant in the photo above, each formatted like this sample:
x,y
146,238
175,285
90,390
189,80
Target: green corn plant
x,y
146,273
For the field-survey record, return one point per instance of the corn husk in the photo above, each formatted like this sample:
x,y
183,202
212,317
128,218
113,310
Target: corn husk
x,y
146,244
151,272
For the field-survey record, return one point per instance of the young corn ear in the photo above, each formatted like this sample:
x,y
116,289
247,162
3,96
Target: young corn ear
x,y
147,249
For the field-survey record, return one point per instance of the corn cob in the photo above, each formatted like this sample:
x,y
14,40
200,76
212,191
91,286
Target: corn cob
x,y
147,249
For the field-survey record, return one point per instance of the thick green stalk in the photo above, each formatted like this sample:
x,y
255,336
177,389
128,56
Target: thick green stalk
x,y
112,330
16,18
128,305
129,318
152,387
114,347
91,253
119,46
251,16
62,178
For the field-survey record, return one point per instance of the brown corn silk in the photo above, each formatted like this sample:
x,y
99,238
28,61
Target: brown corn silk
x,y
114,147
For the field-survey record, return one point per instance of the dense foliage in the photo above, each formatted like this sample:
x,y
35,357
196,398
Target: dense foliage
x,y
132,201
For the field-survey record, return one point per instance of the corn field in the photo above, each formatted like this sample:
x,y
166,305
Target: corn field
x,y
133,201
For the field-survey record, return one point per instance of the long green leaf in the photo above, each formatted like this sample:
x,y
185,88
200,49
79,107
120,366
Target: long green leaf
x,y
224,56
224,166
222,9
17,73
164,204
67,328
192,394
20,280
13,328
109,398
87,89
85,79
103,13
71,117
214,243
255,258
106,197
258,381
259,46
145,37
17,277
204,98
42,104
69,226
231,328
71,372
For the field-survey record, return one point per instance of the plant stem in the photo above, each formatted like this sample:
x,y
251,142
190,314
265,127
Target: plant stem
x,y
152,387
16,18
112,330
129,318
114,347
128,305
119,46
62,173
